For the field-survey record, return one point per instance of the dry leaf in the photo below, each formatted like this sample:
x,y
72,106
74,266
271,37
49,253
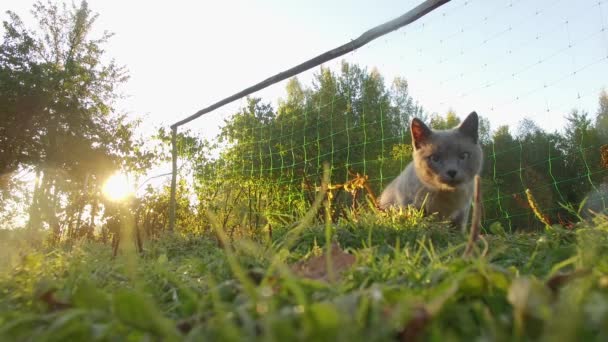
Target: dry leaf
x,y
52,302
559,280
416,325
316,267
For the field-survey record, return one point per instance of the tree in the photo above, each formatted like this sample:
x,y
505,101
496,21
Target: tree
x,y
601,119
58,121
581,145
527,127
449,121
347,118
484,131
404,107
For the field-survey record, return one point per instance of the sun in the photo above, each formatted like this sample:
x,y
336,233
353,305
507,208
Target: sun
x,y
118,187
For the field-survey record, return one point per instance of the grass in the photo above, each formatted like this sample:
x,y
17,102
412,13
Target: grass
x,y
409,281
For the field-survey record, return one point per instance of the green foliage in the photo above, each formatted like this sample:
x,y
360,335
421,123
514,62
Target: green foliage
x,y
601,119
151,211
352,121
265,166
408,280
244,214
449,121
58,90
349,119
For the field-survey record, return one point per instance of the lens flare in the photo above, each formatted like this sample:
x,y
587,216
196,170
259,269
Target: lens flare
x,y
118,187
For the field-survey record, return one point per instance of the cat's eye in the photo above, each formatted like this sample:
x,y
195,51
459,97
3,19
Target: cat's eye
x,y
434,158
464,155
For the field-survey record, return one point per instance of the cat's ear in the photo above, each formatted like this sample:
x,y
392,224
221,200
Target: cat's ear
x,y
420,132
470,127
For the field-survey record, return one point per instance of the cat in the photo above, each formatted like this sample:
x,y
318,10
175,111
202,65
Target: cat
x,y
596,202
441,174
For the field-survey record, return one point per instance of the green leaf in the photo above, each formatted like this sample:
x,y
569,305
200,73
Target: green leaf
x,y
499,278
473,284
326,319
531,297
136,310
162,259
70,325
21,328
497,229
89,297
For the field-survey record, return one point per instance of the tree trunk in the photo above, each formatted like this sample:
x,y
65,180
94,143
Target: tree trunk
x,y
83,199
93,212
34,219
51,199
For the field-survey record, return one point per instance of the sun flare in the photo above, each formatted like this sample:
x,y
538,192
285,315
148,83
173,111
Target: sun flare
x,y
118,187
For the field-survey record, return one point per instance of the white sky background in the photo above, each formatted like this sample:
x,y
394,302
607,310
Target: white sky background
x,y
505,59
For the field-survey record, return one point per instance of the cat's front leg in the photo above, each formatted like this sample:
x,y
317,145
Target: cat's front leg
x,y
459,219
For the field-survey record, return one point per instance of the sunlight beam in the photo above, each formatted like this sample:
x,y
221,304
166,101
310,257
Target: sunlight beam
x,y
117,187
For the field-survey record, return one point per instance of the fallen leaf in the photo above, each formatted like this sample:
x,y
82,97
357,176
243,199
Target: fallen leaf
x,y
45,291
414,328
559,280
316,267
52,302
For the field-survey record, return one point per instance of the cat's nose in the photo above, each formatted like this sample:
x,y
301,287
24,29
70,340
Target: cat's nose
x,y
452,173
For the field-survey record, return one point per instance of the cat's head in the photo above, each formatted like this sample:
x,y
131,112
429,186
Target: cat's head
x,y
447,159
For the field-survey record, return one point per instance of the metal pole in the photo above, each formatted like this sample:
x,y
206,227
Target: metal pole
x,y
172,203
369,35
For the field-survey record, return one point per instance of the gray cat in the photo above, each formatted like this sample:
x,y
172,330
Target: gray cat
x,y
441,174
596,203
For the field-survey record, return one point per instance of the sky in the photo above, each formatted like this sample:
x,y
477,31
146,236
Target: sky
x,y
505,59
